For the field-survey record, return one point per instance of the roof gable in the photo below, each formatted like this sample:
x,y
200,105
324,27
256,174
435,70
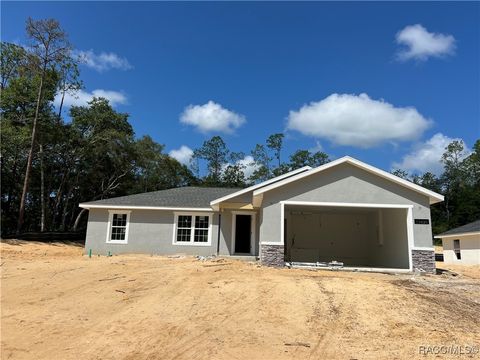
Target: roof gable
x,y
260,185
433,196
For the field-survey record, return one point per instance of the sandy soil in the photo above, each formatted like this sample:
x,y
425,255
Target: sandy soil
x,y
58,304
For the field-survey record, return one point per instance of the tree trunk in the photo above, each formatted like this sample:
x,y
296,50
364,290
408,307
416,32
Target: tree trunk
x,y
26,182
77,220
65,210
42,190
58,199
61,106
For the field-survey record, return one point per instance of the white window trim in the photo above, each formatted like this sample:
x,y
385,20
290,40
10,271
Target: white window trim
x,y
109,229
192,233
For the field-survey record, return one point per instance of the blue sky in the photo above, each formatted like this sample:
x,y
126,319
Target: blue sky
x,y
188,71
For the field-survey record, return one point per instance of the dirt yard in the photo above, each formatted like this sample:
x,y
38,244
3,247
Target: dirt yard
x,y
58,304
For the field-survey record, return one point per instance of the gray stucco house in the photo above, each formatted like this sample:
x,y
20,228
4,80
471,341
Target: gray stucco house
x,y
345,211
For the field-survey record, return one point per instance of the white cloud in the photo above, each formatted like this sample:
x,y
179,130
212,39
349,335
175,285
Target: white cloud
x,y
81,98
182,155
211,117
103,61
426,156
318,147
421,44
249,165
357,120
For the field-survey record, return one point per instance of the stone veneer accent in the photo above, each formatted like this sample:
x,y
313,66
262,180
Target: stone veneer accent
x,y
423,261
272,255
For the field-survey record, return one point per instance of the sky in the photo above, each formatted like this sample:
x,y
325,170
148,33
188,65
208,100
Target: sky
x,y
388,83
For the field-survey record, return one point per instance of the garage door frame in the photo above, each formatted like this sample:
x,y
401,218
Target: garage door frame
x,y
409,224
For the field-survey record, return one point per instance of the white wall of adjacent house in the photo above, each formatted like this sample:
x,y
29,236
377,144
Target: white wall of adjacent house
x,y
466,250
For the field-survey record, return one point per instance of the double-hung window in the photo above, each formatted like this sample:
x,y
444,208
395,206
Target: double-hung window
x,y
192,229
118,227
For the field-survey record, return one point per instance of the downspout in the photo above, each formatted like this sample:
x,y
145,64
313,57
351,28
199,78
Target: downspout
x,y
218,236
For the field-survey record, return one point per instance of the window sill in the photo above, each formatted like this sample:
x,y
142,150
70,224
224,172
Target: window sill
x,y
117,242
192,244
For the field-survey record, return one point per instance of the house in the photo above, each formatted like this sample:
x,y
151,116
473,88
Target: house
x,y
345,211
462,244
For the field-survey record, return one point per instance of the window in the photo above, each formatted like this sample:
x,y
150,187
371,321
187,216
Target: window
x,y
192,229
184,230
456,249
118,227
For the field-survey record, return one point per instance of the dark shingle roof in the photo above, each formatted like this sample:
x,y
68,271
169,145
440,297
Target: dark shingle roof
x,y
190,197
471,227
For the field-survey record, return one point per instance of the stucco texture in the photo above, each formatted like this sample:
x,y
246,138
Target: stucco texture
x,y
344,183
150,232
469,250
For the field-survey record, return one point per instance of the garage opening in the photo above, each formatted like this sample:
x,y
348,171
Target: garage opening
x,y
347,236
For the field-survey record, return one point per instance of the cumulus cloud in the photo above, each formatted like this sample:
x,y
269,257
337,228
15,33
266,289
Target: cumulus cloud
x,y
426,156
249,165
419,44
103,61
212,117
183,155
81,98
357,120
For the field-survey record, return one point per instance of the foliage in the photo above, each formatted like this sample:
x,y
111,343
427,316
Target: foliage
x,y
92,156
459,183
94,153
215,153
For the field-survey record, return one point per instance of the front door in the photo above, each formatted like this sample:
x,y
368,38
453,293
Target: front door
x,y
243,233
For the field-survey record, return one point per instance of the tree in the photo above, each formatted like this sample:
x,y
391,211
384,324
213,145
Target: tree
x,y
70,82
401,174
262,159
301,158
50,47
472,165
105,160
155,170
215,153
234,172
12,59
453,176
275,143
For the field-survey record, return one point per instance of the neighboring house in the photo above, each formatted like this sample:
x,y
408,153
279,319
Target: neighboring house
x,y
462,244
345,211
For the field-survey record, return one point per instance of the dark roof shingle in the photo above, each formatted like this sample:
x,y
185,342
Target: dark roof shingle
x,y
189,197
471,227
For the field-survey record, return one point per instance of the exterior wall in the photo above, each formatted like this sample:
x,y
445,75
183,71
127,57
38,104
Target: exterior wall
x,y
272,255
393,251
349,184
469,250
150,232
226,234
423,261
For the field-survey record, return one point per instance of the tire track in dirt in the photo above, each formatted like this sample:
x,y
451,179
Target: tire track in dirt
x,y
240,307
